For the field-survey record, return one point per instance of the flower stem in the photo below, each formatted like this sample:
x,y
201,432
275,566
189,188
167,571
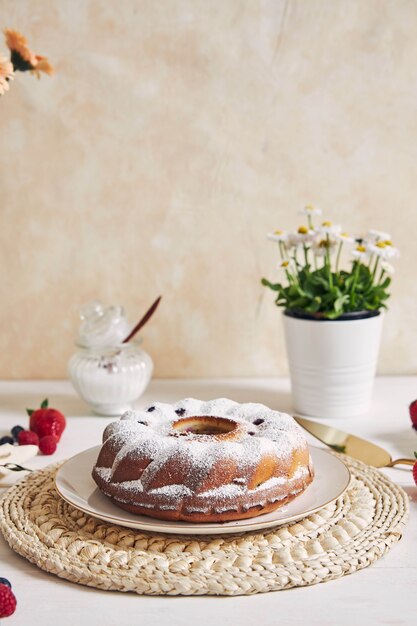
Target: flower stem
x,y
306,255
338,256
355,280
375,268
291,278
329,269
381,276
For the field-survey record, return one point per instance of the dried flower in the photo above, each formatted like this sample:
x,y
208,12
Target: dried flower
x,y
22,58
6,74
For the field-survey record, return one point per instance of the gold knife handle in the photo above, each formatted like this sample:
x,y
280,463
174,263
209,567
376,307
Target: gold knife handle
x,y
402,462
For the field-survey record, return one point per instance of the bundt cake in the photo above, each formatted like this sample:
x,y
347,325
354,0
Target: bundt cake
x,y
203,461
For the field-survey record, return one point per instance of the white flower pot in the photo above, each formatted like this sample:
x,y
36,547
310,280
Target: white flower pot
x,y
332,364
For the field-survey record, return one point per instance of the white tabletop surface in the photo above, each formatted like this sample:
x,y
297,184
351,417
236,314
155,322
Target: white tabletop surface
x,y
381,594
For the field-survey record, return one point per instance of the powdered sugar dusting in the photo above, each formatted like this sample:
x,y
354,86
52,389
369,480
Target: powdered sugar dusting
x,y
149,434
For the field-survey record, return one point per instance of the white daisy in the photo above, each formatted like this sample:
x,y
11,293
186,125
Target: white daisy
x,y
303,235
277,236
387,267
321,247
309,209
392,251
360,253
344,238
377,235
328,228
383,249
288,266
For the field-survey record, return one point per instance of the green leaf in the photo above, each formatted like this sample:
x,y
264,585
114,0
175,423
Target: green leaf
x,y
352,290
339,303
30,411
273,286
45,403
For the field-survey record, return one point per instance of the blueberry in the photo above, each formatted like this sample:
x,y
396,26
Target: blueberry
x,y
4,581
258,422
151,408
143,423
180,411
15,431
251,433
6,439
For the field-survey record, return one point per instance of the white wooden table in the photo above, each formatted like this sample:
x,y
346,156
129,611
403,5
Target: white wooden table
x,y
384,593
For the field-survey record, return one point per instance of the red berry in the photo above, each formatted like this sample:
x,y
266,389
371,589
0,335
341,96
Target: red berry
x,y
413,413
27,437
7,601
47,444
46,421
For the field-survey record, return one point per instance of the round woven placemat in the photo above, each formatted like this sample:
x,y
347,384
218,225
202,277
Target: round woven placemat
x,y
341,538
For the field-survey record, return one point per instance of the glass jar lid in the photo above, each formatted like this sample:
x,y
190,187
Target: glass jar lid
x,y
101,325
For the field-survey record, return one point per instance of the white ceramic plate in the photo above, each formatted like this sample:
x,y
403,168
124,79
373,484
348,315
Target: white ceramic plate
x,y
75,485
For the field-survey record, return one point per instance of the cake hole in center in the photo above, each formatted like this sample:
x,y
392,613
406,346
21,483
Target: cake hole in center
x,y
205,425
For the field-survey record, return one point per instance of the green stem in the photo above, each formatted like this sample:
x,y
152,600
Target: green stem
x,y
329,269
306,256
338,256
355,276
375,268
291,278
355,280
295,256
296,262
281,250
310,222
381,276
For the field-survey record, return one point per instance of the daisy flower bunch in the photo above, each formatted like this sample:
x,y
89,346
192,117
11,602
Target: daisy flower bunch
x,y
314,279
22,59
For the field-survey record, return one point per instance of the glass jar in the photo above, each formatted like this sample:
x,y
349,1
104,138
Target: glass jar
x,y
110,378
108,374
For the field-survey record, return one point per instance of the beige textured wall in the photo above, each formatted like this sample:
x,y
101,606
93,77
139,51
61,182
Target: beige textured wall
x,y
174,135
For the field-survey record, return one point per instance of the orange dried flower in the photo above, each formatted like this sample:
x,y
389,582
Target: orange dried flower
x,y
22,57
6,74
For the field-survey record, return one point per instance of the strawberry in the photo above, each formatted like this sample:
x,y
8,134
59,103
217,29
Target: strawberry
x,y
46,421
27,438
415,469
7,601
413,413
47,445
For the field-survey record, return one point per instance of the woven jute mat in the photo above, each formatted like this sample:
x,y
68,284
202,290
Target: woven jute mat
x,y
341,538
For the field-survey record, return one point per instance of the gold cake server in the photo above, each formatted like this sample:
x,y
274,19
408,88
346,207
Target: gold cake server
x,y
351,445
